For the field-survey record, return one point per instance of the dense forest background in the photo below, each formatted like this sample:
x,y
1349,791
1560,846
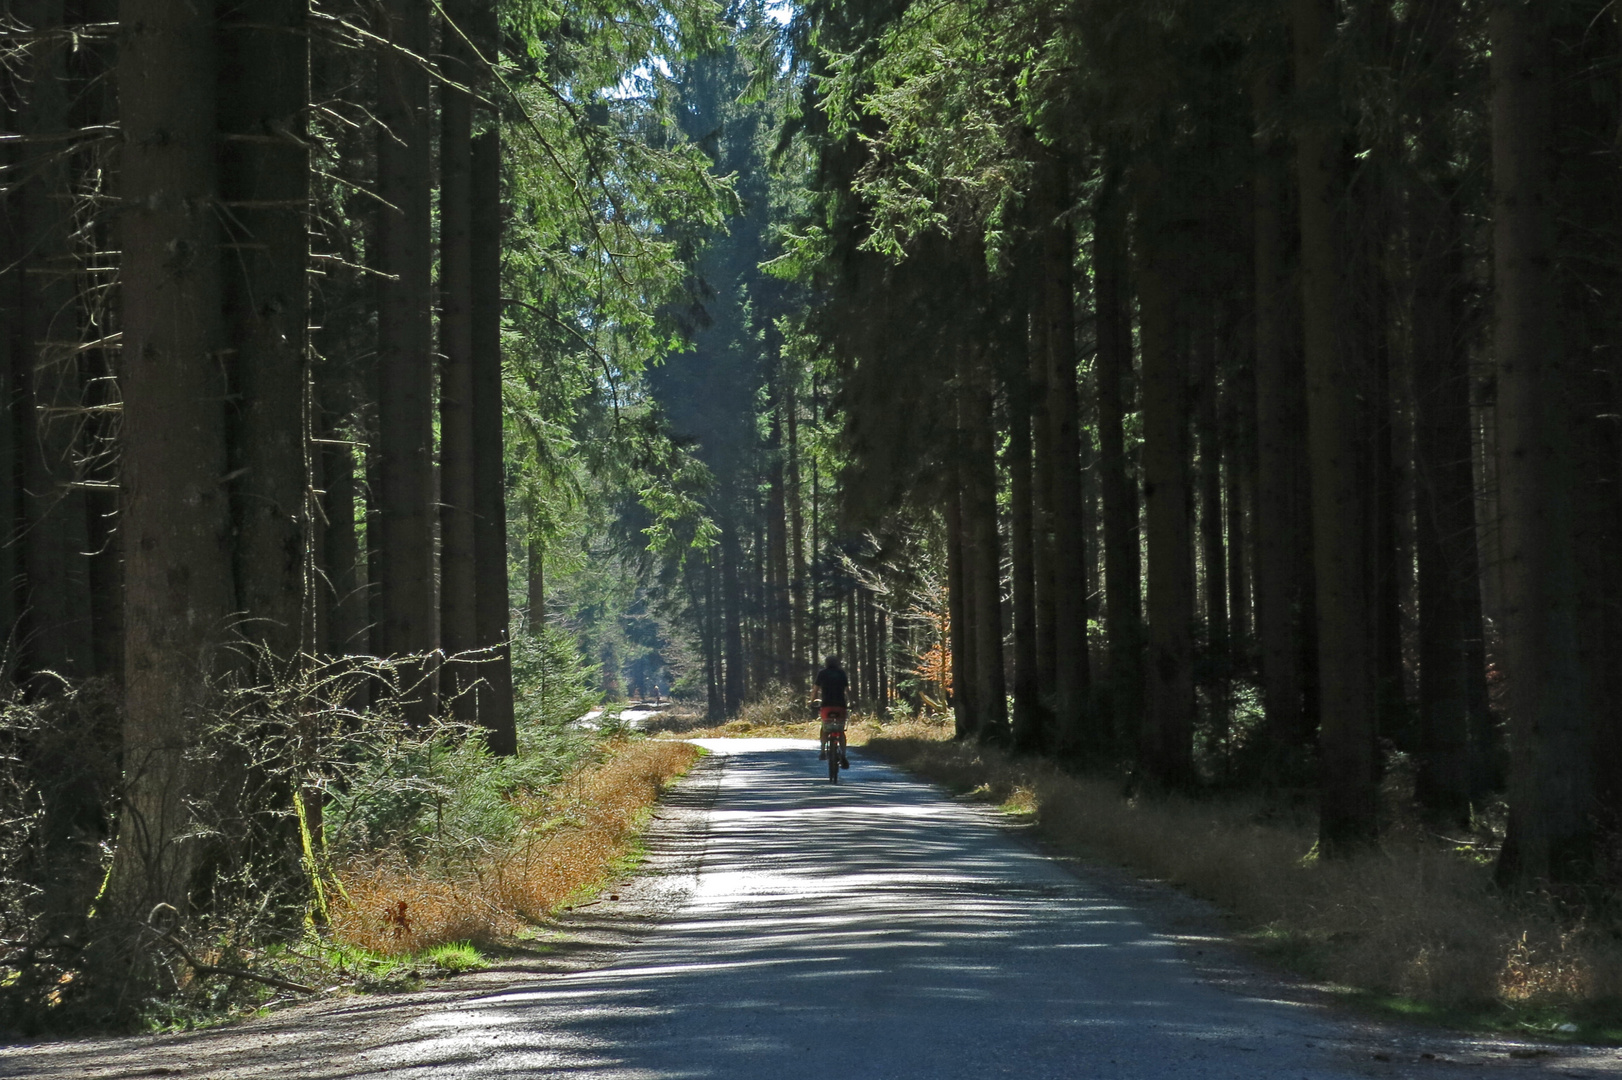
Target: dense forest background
x,y
1219,394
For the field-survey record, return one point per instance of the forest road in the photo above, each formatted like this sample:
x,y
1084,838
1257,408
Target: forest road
x,y
789,928
878,929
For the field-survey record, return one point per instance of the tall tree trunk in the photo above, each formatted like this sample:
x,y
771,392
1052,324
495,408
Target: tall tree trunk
x,y
1280,521
1550,833
815,583
1028,730
1218,645
458,565
1238,477
1212,552
1445,537
732,619
802,655
11,365
1123,585
780,610
715,704
855,660
870,648
1587,40
762,637
405,494
881,623
265,173
493,610
1042,553
535,586
1072,727
961,602
1390,561
56,626
876,630
982,557
1168,734
175,515
105,539
340,556
1337,381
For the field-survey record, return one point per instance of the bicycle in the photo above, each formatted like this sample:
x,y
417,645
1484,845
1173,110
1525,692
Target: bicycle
x,y
833,743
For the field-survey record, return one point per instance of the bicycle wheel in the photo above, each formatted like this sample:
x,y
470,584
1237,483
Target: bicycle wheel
x,y
833,761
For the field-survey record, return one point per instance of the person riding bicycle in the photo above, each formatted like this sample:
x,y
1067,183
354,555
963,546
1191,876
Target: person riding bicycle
x,y
832,682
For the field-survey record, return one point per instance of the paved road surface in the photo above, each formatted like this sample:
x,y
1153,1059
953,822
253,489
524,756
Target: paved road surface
x,y
631,716
790,929
876,929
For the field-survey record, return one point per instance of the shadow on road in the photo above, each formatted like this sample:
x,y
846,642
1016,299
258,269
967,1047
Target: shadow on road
x,y
873,928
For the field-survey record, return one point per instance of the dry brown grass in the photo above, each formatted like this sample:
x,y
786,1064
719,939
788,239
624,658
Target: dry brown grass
x,y
1415,918
575,835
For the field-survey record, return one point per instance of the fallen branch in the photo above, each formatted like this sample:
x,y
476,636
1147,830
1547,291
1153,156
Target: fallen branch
x,y
214,969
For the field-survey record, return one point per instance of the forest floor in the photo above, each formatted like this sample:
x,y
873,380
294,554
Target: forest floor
x,y
739,943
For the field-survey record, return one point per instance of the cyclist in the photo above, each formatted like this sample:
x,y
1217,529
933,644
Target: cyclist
x,y
832,683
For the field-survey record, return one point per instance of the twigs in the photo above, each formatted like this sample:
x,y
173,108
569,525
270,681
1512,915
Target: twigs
x,y
214,969
90,131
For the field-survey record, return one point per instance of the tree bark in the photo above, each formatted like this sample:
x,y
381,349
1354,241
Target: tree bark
x,y
780,609
1212,552
493,607
56,623
265,173
715,705
175,515
1028,733
1073,730
1238,486
1123,584
535,586
11,354
1042,553
340,559
1550,838
1167,748
881,637
1587,39
405,494
1445,538
962,606
870,649
735,684
1280,521
1337,382
1390,558
458,563
815,582
802,655
982,557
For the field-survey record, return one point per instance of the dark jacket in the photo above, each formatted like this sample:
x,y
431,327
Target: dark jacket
x,y
833,683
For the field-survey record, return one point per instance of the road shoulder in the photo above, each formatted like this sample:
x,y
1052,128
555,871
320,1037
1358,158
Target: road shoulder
x,y
326,1039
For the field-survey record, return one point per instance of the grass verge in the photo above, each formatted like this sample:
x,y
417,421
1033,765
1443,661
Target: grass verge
x,y
1413,930
572,836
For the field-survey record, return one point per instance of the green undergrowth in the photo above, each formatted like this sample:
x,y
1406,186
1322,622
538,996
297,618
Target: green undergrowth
x,y
316,961
1582,1024
371,972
